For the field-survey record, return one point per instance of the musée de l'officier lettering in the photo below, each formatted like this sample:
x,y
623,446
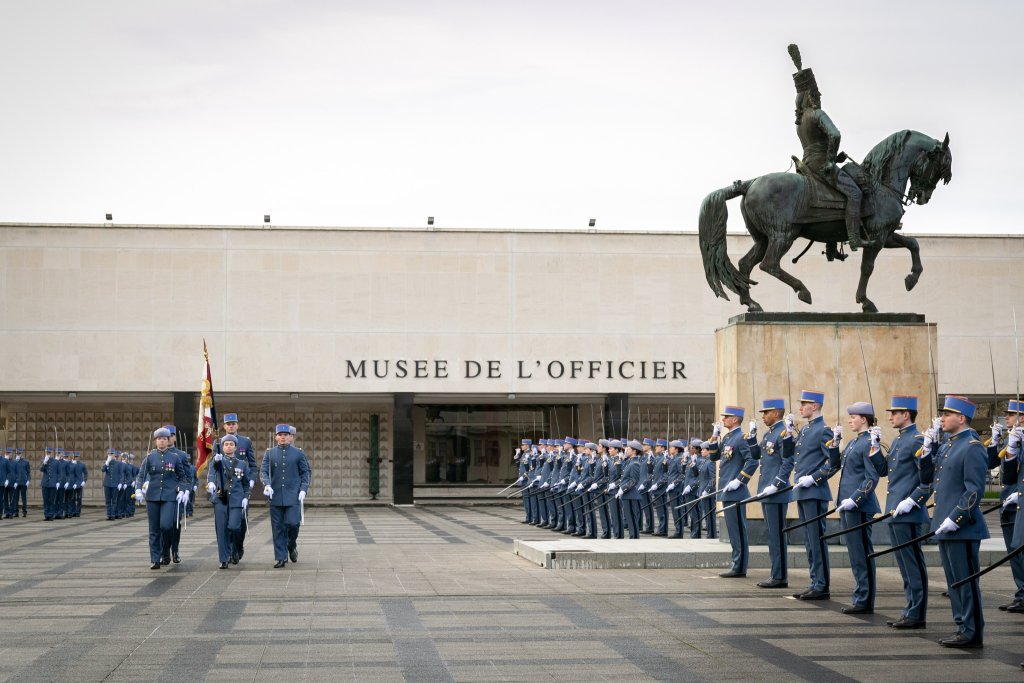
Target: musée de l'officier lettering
x,y
521,369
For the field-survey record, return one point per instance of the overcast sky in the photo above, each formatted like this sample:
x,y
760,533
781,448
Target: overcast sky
x,y
485,114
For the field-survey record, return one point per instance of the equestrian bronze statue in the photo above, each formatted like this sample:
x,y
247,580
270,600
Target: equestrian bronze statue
x,y
859,204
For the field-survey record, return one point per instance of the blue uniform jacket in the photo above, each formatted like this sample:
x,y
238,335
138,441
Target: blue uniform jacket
x,y
960,466
165,473
1008,470
49,470
24,471
675,474
231,474
909,476
6,471
112,475
737,463
860,473
286,470
602,471
634,473
775,454
706,470
812,458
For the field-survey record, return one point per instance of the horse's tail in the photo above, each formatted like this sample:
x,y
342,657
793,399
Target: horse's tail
x,y
718,269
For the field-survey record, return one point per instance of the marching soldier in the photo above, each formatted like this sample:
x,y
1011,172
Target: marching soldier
x,y
960,467
775,454
48,483
162,484
1009,497
245,450
659,496
111,483
706,477
8,479
812,470
228,485
188,485
633,475
910,487
286,476
23,471
862,466
738,467
674,488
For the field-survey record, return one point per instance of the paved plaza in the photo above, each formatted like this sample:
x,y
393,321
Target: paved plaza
x,y
437,594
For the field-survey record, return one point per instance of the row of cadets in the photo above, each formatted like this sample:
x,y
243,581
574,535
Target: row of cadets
x,y
737,467
15,475
62,482
118,476
1002,453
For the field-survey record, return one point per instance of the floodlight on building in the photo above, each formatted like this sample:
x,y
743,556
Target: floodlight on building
x,y
110,216
593,222
430,220
266,218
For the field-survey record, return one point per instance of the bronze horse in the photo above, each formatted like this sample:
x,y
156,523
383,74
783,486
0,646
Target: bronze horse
x,y
771,204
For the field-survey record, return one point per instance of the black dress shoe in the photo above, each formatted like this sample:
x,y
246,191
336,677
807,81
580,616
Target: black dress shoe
x,y
945,594
676,536
1016,608
176,558
773,583
280,563
814,595
732,574
605,538
858,609
234,558
960,641
156,565
223,565
165,560
241,552
1007,605
293,554
909,623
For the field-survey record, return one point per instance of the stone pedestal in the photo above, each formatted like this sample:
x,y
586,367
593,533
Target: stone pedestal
x,y
824,353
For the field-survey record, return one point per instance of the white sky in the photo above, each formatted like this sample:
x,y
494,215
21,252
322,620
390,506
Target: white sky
x,y
485,114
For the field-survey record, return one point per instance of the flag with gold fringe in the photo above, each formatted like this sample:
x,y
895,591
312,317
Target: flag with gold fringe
x,y
206,431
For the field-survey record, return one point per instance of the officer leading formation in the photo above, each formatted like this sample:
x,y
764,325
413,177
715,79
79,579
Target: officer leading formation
x,y
618,487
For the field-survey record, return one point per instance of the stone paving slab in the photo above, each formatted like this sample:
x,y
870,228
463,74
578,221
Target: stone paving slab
x,y
437,594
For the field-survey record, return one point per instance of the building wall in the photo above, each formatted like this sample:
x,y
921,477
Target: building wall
x,y
111,309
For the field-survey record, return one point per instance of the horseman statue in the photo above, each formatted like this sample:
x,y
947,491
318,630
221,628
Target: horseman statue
x,y
824,202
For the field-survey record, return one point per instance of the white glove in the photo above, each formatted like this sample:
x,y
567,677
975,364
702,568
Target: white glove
x,y
537,479
545,485
847,504
687,490
947,526
937,424
876,437
905,506
251,484
805,481
770,490
752,432
302,496
1011,500
1015,439
619,494
65,486
837,435
517,452
211,488
46,459
930,437
789,423
997,432
245,503
733,485
16,485
268,492
560,482
139,496
670,487
184,496
654,488
518,481
82,484
218,457
612,486
74,487
640,488
109,458
195,488
7,482
145,486
592,487
716,429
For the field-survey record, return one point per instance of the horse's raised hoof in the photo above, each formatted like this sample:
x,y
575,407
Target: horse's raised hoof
x,y
804,296
754,307
910,281
868,306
